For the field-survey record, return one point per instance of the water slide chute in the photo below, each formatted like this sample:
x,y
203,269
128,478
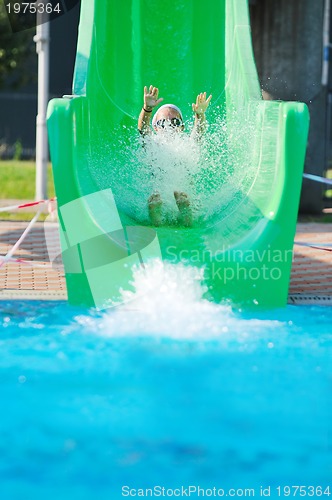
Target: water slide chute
x,y
248,177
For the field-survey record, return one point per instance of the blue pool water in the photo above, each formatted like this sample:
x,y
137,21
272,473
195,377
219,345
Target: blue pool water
x,y
171,392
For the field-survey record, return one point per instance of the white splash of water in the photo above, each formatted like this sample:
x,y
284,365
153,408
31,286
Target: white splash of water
x,y
213,171
172,159
168,302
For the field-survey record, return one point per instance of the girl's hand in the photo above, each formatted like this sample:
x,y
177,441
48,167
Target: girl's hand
x,y
202,104
151,98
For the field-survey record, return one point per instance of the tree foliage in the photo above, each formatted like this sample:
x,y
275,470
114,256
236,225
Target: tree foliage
x,y
17,54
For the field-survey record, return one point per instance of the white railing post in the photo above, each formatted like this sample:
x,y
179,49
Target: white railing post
x,y
42,39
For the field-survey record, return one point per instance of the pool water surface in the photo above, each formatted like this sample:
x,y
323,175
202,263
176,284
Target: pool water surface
x,y
175,391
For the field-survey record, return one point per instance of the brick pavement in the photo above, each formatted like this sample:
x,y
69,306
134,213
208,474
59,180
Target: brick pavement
x,y
311,278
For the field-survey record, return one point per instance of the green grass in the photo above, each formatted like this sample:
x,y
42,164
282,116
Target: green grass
x,y
323,218
17,181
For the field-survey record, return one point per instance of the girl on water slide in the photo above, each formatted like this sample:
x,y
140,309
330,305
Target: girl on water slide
x,y
168,118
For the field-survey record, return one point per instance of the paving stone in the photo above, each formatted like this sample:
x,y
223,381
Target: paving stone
x,y
311,276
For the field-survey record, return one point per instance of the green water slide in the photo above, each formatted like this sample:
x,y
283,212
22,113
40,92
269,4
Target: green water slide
x,y
244,187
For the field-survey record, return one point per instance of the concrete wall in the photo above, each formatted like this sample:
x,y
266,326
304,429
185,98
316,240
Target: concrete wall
x,y
287,39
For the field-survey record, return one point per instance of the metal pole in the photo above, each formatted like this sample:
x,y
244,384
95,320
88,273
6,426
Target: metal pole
x,y
42,39
326,43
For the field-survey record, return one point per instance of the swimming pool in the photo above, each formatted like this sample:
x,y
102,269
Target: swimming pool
x,y
172,393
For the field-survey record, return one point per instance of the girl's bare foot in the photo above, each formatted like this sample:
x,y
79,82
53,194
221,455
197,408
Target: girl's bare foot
x,y
183,203
155,206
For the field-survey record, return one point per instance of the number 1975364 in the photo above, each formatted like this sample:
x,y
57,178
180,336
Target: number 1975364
x,y
33,8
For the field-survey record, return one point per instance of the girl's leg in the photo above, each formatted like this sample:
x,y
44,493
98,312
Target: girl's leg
x,y
183,203
155,206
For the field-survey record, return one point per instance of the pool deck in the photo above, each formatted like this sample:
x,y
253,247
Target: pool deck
x,y
311,278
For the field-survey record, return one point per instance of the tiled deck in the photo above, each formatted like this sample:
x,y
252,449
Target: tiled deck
x,y
311,279
40,280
